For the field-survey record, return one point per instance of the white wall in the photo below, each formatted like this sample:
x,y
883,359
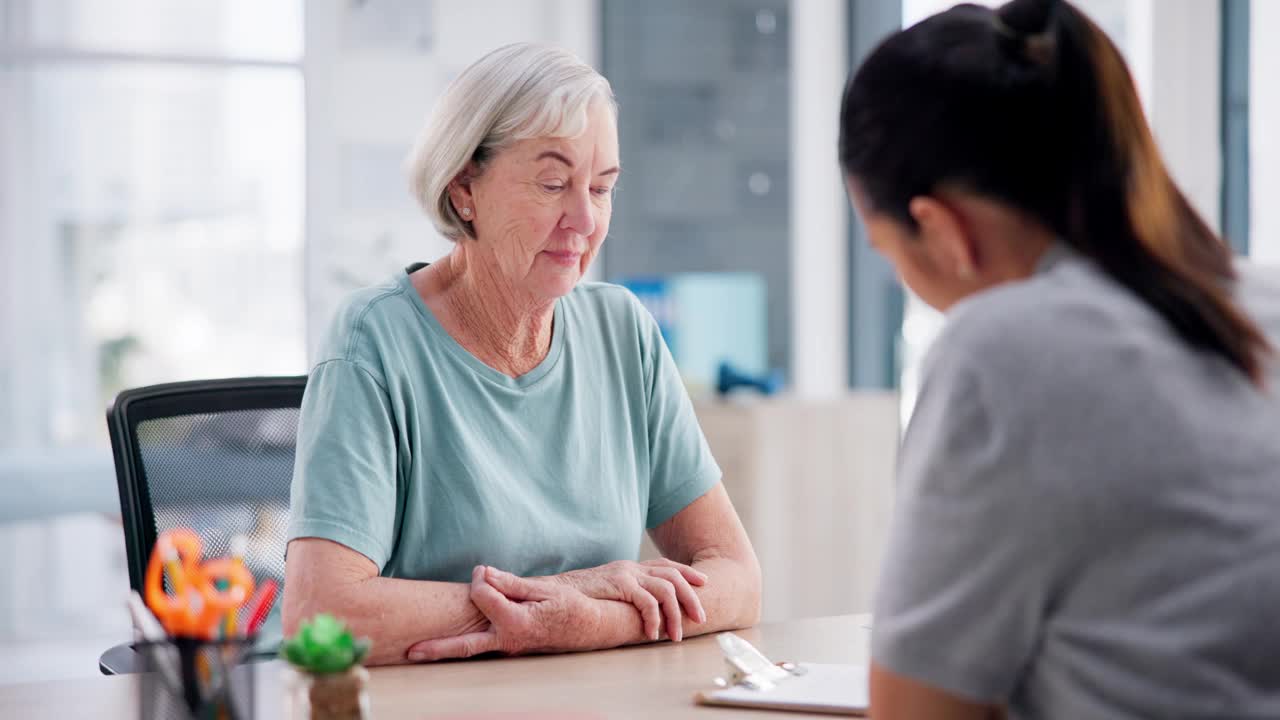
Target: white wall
x,y
1264,140
819,228
1176,51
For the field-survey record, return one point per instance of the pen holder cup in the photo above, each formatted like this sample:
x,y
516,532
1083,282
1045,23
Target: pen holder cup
x,y
192,679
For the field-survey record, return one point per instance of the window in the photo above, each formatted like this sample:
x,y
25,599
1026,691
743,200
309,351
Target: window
x,y
151,218
154,159
704,129
245,29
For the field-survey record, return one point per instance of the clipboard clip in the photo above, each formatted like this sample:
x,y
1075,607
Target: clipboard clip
x,y
749,668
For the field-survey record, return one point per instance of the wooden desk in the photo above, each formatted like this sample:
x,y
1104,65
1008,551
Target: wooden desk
x,y
650,681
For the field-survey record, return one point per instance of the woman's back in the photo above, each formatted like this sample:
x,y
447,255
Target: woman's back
x,y
1087,519
1103,506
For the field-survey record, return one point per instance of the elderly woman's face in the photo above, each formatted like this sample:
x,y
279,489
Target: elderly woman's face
x,y
542,206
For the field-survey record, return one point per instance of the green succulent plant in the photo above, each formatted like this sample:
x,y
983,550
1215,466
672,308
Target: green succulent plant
x,y
323,646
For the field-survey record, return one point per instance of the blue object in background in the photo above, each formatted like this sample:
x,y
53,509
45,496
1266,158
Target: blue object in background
x,y
730,378
652,293
708,319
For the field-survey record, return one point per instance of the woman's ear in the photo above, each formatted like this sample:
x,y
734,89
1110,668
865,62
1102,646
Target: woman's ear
x,y
945,235
460,194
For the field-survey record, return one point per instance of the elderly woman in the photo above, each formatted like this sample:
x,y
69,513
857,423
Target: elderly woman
x,y
483,439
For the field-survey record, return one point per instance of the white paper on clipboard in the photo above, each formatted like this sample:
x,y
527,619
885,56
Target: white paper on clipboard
x,y
754,681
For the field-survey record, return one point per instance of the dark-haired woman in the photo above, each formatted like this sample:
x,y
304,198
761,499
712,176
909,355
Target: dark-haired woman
x,y
1089,514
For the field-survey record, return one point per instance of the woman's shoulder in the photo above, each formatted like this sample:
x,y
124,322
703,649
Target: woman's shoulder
x,y
597,311
607,303
604,296
364,319
1046,329
1048,310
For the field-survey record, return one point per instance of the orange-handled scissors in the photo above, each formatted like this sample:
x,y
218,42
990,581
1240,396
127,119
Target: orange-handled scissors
x,y
196,605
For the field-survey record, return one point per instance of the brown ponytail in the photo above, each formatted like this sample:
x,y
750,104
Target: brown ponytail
x,y
1033,105
1182,268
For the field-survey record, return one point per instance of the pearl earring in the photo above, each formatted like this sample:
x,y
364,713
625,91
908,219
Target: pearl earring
x,y
466,212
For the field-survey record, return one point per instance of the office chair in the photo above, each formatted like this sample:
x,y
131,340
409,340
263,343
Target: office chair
x,y
212,455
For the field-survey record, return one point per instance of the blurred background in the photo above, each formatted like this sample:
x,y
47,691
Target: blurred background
x,y
188,187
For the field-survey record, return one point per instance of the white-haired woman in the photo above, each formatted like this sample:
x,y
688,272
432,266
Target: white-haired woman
x,y
484,439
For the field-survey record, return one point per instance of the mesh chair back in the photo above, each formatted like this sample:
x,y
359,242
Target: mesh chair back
x,y
213,455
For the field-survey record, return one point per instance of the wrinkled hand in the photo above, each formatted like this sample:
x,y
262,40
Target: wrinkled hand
x,y
526,615
659,589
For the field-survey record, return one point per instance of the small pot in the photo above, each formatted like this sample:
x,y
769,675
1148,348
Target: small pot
x,y
332,696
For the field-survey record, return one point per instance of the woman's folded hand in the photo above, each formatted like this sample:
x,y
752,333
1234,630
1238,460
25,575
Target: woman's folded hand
x,y
662,590
526,615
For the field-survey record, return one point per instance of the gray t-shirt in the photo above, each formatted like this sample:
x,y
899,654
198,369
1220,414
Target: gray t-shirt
x,y
1088,520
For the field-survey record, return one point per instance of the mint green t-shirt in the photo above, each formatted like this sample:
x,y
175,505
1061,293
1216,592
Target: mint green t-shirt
x,y
420,457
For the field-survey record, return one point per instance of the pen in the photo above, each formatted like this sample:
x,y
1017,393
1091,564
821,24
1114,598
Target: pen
x,y
170,555
146,625
260,607
144,622
239,545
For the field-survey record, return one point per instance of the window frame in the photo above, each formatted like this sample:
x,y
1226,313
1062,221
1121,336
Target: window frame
x,y
876,301
1236,192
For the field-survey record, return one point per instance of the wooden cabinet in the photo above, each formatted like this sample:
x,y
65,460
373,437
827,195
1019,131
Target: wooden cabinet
x,y
813,483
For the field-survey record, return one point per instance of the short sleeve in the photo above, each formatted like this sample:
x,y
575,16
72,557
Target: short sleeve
x,y
970,561
344,478
681,467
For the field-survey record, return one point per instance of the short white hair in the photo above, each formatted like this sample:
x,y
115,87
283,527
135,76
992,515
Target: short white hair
x,y
517,92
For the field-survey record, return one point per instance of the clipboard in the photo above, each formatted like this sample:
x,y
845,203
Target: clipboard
x,y
756,682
